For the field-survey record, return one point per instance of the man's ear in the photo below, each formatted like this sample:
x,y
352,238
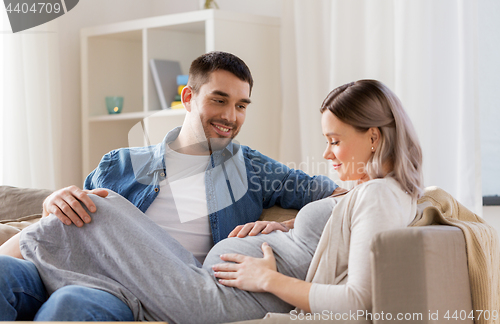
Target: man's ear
x,y
186,97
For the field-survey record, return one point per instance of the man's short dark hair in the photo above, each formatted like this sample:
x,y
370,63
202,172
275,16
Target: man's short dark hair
x,y
200,69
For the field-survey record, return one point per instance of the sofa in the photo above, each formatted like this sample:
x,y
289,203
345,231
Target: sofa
x,y
419,274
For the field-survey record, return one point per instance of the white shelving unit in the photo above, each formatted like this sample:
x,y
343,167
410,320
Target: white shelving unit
x,y
115,62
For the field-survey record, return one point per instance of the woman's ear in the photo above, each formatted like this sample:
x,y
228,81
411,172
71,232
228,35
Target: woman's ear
x,y
375,136
186,97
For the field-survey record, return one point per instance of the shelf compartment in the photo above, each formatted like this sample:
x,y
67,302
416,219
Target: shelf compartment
x,y
182,43
115,69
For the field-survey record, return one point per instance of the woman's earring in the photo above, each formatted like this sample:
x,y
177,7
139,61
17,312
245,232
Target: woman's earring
x,y
373,150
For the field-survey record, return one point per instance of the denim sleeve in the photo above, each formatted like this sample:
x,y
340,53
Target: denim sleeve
x,y
95,178
287,187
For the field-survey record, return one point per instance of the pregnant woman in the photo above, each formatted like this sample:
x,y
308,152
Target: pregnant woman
x,y
369,139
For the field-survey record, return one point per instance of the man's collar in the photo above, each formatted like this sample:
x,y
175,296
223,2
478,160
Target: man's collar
x,y
230,148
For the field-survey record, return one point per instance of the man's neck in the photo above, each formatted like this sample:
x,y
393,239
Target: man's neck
x,y
186,144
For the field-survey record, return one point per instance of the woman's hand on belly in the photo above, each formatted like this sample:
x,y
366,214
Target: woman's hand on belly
x,y
247,273
260,275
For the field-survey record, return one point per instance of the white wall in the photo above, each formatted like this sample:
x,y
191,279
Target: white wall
x,y
99,12
489,96
489,103
491,215
257,7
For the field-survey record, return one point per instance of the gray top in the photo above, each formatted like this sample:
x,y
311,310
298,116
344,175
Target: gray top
x,y
126,254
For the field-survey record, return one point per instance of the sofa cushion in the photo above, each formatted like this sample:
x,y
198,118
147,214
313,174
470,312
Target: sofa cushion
x,y
278,214
19,208
20,202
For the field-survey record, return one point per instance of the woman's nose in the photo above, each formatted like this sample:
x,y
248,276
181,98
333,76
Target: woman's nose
x,y
328,154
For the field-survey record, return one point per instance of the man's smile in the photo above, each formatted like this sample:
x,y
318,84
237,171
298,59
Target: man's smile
x,y
221,130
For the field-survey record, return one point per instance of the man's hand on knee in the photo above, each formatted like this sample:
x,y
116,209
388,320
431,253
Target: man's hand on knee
x,y
66,204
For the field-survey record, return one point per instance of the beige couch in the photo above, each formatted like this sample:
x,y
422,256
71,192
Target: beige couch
x,y
419,273
19,207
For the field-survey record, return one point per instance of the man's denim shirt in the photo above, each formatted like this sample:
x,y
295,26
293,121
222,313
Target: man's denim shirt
x,y
239,182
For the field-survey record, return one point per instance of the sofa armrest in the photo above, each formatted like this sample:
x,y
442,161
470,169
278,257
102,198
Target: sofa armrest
x,y
421,270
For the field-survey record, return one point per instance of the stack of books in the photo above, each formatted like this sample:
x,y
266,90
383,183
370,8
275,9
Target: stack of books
x,y
182,81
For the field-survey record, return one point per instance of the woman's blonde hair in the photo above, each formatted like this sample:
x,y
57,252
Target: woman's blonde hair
x,y
369,103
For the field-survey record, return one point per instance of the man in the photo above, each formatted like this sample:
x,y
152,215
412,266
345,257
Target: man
x,y
197,184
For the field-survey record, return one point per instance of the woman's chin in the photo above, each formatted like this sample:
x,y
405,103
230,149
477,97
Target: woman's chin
x,y
345,177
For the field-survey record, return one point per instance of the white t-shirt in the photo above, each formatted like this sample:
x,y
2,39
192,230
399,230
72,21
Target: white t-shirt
x,y
181,205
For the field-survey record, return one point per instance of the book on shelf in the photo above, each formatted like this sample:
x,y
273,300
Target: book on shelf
x,y
165,74
182,79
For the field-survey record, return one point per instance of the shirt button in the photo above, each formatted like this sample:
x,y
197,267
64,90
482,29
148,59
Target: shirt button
x,y
223,154
156,189
162,174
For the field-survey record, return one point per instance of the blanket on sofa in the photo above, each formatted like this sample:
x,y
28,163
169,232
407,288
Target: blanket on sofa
x,y
437,207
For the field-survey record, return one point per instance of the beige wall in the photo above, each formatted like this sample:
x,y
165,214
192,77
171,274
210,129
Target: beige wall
x,y
99,12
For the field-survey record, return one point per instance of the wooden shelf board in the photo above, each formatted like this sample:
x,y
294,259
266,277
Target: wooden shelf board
x,y
138,115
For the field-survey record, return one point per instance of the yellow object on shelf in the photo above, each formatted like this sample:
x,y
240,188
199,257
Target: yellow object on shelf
x,y
179,89
176,105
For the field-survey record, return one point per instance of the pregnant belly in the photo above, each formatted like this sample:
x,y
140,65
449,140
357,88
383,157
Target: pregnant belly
x,y
292,258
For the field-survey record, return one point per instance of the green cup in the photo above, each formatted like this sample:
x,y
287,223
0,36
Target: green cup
x,y
114,104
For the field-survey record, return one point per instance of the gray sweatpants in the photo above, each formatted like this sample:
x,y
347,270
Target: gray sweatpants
x,y
124,253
